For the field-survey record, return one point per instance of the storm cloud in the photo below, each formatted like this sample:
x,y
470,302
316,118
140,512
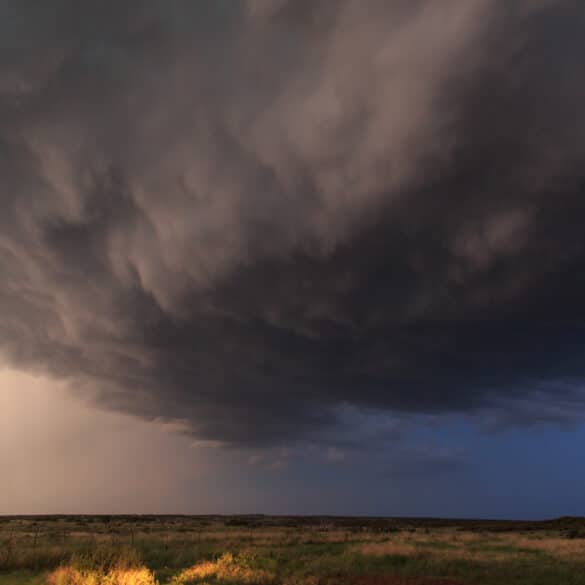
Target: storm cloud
x,y
251,217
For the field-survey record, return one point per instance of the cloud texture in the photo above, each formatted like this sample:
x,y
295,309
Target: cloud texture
x,y
252,216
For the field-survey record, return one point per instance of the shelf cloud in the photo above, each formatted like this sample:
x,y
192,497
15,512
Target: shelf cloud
x,y
251,216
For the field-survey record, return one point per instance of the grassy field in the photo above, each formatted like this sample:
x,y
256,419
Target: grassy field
x,y
263,550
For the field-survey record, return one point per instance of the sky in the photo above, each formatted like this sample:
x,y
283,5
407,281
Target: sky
x,y
292,256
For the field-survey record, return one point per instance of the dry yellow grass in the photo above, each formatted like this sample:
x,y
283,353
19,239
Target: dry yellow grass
x,y
390,547
553,546
411,550
71,576
226,569
473,547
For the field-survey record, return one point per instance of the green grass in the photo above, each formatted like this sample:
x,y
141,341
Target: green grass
x,y
318,554
22,578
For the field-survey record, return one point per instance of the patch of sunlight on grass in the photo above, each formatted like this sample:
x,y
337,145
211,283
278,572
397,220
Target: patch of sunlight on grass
x,y
72,576
226,569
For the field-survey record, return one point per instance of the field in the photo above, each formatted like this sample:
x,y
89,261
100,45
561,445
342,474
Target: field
x,y
265,550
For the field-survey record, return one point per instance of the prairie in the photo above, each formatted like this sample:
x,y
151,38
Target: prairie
x,y
265,550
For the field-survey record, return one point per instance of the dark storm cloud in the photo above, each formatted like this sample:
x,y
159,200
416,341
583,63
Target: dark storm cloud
x,y
251,215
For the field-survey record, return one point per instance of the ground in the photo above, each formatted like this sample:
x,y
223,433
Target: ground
x,y
264,550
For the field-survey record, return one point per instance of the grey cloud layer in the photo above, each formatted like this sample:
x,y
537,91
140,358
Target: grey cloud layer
x,y
248,215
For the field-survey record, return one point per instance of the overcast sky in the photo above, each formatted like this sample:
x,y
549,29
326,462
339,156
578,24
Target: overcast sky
x,y
292,256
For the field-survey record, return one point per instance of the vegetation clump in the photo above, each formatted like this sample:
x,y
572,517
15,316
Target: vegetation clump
x,y
227,569
72,576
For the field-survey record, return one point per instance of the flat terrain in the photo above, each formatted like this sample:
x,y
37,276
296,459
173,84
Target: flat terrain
x,y
266,550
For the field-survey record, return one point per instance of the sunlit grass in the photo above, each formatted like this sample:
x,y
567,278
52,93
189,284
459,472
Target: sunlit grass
x,y
103,565
227,569
72,576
